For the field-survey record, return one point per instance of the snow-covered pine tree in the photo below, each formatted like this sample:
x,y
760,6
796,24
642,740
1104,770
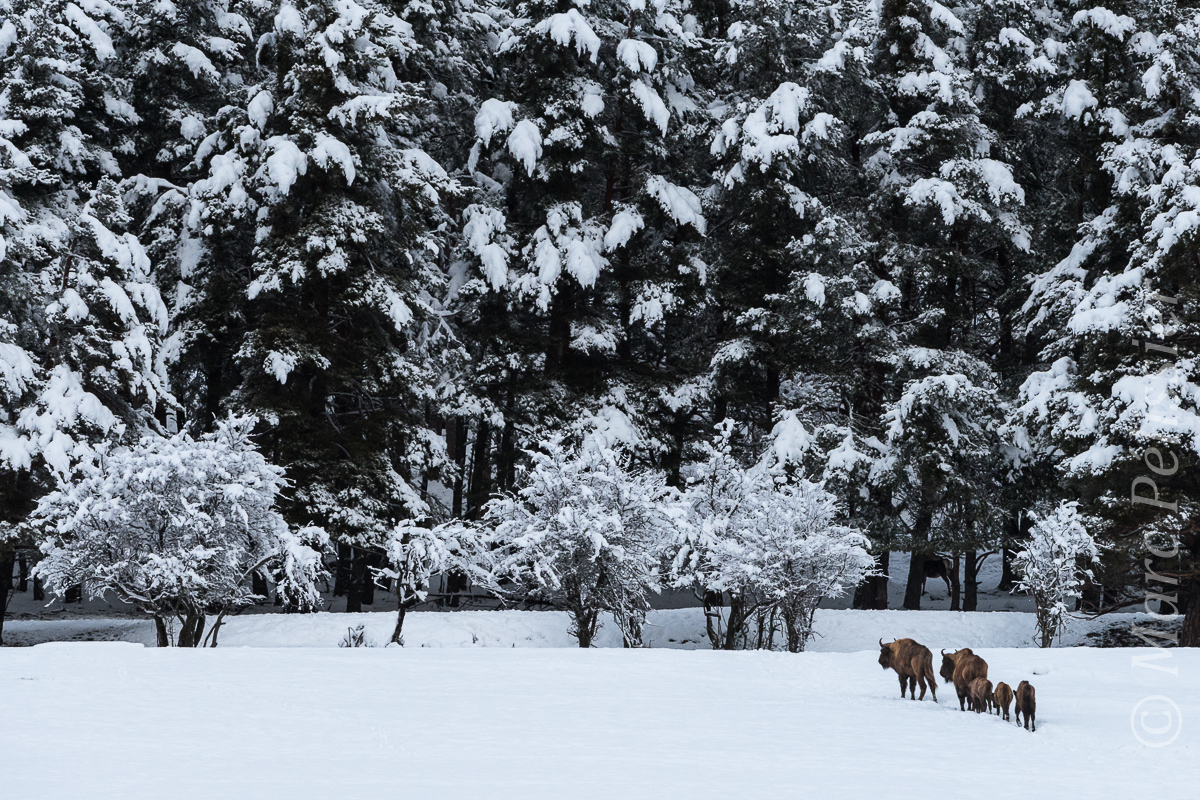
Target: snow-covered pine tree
x,y
586,243
794,98
942,463
340,354
189,66
1115,397
89,317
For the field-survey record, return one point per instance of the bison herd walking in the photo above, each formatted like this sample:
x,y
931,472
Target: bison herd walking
x,y
913,662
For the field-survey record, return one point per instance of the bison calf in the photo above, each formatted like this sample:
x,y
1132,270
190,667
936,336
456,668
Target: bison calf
x,y
980,695
1027,704
1002,698
913,662
960,668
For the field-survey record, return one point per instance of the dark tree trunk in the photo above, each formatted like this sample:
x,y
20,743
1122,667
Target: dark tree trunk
x,y
971,579
1008,576
453,585
370,560
22,573
585,625
872,593
191,630
916,580
6,589
955,583
456,432
39,591
481,470
738,616
673,458
712,616
74,594
916,563
506,472
258,584
401,611
160,628
341,571
354,585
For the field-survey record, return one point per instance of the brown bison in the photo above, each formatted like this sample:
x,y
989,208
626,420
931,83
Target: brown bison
x,y
1002,698
980,695
1026,704
913,663
960,668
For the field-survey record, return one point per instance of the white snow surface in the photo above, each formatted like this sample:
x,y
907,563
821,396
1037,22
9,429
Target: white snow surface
x,y
564,722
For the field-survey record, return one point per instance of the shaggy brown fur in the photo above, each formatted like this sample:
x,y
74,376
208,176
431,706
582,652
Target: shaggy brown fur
x,y
980,695
1027,704
913,663
1002,698
960,668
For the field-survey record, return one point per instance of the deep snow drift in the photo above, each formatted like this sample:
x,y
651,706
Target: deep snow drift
x,y
119,720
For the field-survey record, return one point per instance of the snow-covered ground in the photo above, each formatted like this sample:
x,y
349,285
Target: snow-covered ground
x,y
565,723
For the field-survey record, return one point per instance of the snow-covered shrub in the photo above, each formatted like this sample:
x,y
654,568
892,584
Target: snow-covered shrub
x,y
1050,567
774,549
414,554
585,534
177,526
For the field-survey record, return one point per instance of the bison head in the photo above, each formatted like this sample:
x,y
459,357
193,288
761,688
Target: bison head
x,y
947,671
885,655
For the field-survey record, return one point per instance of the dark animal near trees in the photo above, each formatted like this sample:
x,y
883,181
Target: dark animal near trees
x,y
1027,704
1002,697
913,662
980,695
937,568
960,668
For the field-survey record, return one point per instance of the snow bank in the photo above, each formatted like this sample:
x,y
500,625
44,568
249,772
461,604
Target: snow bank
x,y
837,631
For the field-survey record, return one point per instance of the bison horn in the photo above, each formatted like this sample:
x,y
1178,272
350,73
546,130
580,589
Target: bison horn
x,y
881,644
943,652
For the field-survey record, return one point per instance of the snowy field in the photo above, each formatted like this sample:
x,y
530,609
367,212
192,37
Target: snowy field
x,y
565,723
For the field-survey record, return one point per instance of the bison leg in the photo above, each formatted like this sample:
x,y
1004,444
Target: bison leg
x,y
912,687
921,681
903,682
962,700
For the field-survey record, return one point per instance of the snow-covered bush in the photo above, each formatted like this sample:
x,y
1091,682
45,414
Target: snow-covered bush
x,y
414,554
585,534
177,526
1050,567
775,550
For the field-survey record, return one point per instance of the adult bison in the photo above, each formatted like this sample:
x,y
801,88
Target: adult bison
x,y
913,662
960,668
